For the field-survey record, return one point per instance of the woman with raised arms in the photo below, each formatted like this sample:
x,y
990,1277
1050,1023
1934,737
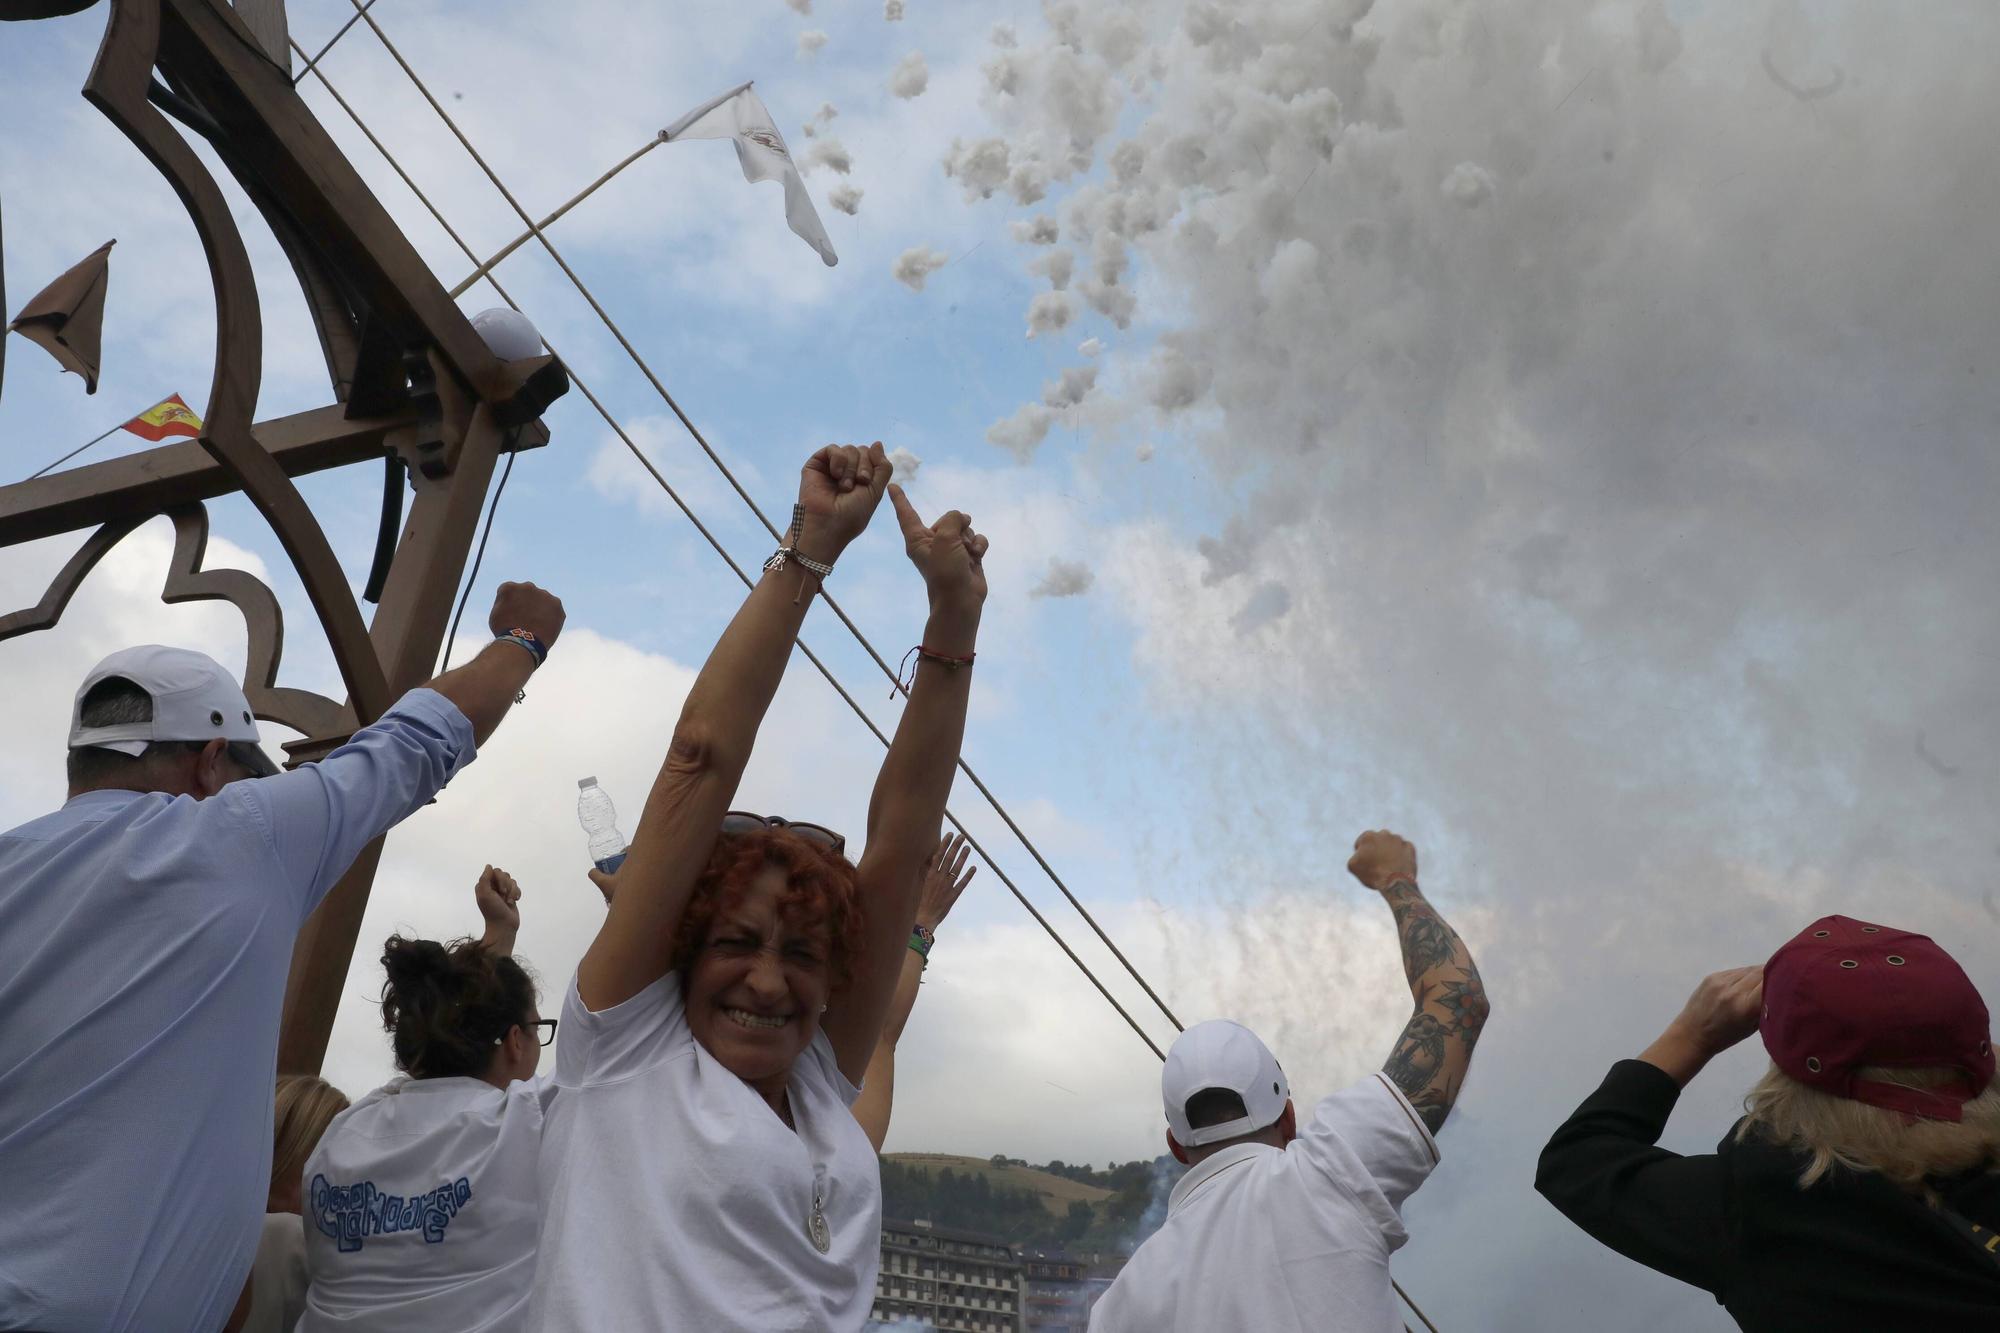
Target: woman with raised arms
x,y
701,1168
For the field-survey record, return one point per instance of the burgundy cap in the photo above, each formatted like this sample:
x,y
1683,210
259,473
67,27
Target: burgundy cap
x,y
1846,994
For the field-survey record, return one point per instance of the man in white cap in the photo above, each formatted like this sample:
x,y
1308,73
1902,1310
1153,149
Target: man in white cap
x,y
146,933
1282,1229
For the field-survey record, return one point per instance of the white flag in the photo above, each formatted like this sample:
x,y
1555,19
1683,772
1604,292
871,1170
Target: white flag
x,y
740,115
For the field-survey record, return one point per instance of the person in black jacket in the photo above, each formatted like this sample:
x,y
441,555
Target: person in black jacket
x,y
1862,1189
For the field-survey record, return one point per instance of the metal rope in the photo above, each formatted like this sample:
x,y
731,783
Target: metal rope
x,y
661,389
729,560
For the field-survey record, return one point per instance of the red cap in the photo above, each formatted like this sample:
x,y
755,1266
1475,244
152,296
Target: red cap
x,y
1846,994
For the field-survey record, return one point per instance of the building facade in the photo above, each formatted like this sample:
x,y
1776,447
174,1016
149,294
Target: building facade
x,y
1058,1288
950,1280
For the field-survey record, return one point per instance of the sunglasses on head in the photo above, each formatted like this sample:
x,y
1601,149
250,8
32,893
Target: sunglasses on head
x,y
742,821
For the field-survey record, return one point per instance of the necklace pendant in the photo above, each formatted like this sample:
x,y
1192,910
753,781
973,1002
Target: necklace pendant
x,y
817,1230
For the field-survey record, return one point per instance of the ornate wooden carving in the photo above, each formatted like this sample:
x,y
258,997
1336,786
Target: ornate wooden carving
x,y
410,379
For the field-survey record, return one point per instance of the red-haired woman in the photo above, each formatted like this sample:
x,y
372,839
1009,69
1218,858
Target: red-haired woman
x,y
700,1167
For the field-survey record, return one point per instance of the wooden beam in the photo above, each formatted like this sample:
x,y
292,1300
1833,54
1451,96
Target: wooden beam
x,y
409,628
156,480
274,135
177,474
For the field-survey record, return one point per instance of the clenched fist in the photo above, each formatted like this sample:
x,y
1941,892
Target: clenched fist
x,y
839,488
499,900
524,606
1381,858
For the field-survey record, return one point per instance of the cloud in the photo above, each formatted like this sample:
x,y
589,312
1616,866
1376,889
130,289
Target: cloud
x,y
810,43
801,6
892,11
906,464
1064,578
910,77
845,198
917,264
1090,347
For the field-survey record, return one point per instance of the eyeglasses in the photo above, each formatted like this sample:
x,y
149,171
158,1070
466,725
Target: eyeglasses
x,y
742,821
545,1031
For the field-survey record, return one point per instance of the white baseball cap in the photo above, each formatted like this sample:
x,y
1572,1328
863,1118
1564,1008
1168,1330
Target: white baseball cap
x,y
1222,1054
194,699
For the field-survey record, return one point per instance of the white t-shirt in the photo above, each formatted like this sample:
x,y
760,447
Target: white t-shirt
x,y
1284,1240
676,1200
421,1209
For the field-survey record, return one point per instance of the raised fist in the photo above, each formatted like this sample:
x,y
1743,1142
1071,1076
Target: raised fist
x,y
839,488
1381,858
524,606
499,899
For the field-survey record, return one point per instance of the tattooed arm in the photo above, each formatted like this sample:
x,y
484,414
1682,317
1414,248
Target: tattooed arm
x,y
1434,1052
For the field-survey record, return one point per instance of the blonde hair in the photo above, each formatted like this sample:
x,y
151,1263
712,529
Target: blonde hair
x,y
306,1105
1834,1130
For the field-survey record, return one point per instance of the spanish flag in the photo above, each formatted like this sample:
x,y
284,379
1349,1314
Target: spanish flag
x,y
169,416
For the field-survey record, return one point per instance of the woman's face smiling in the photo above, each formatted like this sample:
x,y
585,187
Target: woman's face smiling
x,y
757,985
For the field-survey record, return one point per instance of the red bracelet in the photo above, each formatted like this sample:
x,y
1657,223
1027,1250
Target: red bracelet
x,y
945,660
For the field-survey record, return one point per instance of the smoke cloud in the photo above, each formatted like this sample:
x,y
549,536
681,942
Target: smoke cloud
x,y
915,265
1603,464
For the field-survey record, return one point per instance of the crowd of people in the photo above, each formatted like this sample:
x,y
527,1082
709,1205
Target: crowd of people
x,y
703,1153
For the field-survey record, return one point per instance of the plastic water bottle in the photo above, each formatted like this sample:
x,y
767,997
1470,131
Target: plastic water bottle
x,y
600,821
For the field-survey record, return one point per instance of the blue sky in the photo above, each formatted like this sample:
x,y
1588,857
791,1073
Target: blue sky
x,y
1562,435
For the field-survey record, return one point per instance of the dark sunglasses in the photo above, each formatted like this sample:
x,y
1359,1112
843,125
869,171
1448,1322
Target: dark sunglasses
x,y
742,821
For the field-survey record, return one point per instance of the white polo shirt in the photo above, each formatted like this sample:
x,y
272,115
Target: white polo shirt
x,y
674,1197
421,1209
1283,1240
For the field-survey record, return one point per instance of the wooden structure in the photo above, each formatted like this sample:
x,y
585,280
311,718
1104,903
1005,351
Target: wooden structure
x,y
412,384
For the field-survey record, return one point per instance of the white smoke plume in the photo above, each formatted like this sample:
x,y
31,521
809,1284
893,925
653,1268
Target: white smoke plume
x,y
1608,465
911,76
801,6
810,43
830,153
1071,387
1039,230
892,11
1049,312
1063,578
915,265
1022,433
1090,347
845,198
1056,266
905,463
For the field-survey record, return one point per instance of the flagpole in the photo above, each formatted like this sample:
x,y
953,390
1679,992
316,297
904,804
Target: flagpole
x,y
107,435
529,234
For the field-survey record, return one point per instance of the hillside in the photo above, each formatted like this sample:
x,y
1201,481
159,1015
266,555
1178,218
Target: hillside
x,y
1053,1204
1057,1192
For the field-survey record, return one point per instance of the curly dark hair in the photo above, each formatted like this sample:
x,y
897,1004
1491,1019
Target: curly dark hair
x,y
820,886
445,1006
